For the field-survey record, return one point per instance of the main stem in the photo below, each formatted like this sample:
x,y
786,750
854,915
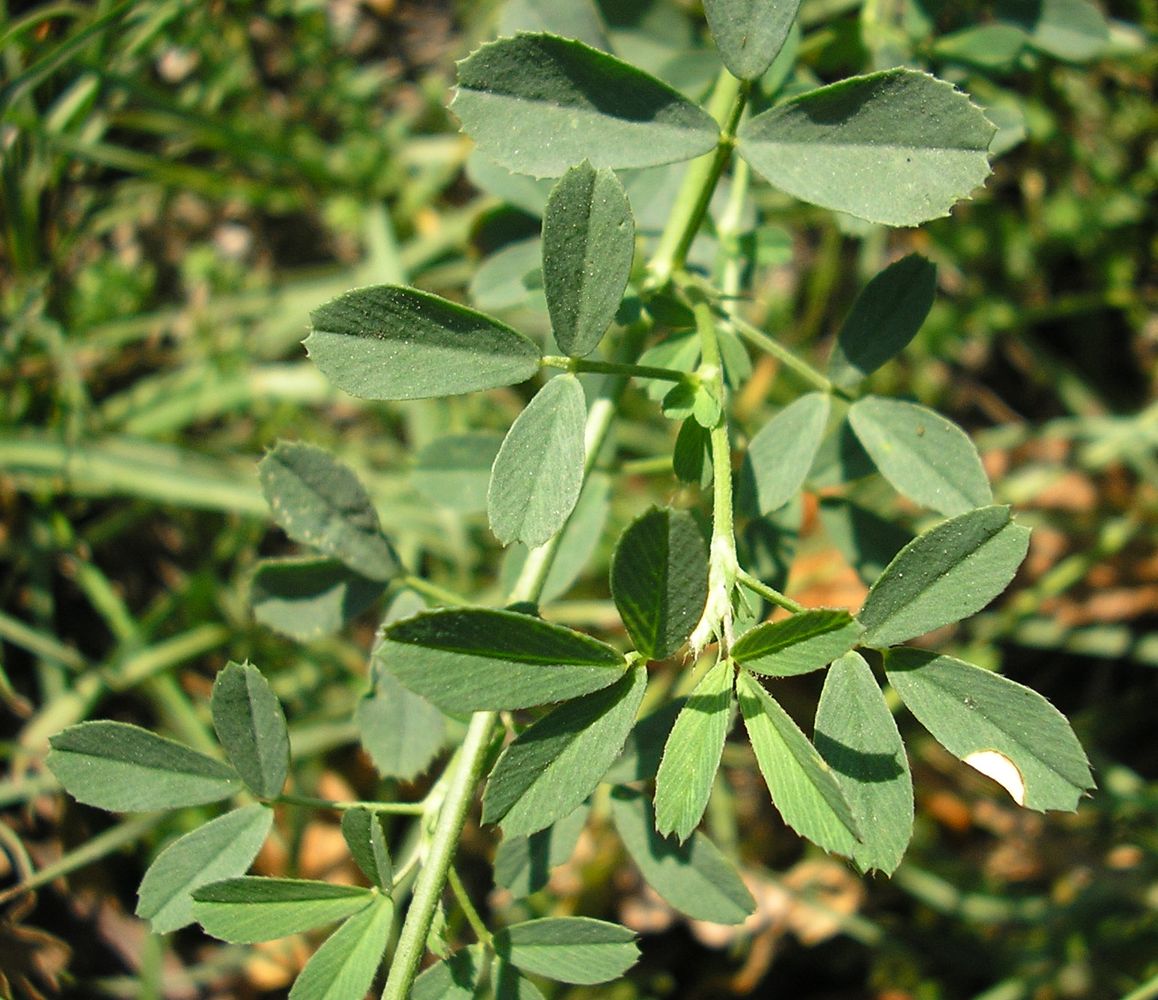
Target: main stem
x,y
471,757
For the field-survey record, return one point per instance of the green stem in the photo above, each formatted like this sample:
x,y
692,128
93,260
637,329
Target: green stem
x,y
723,565
394,808
758,586
801,367
440,595
695,195
576,365
466,771
477,924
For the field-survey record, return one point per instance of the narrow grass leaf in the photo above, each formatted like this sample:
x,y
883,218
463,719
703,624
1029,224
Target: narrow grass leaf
x,y
538,104
391,342
250,724
309,598
659,580
538,472
781,453
344,967
469,659
455,471
643,750
692,753
401,731
454,978
943,576
554,764
694,876
924,456
750,33
802,785
576,950
1003,729
523,864
222,848
248,909
319,501
886,315
588,245
805,642
363,833
858,738
123,768
898,147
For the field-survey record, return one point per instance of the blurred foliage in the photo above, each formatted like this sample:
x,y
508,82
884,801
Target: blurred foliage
x,y
182,181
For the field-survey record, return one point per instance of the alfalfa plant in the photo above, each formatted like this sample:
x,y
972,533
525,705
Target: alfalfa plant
x,y
551,712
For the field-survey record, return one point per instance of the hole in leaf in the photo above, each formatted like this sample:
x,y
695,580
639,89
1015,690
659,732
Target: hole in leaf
x,y
1001,769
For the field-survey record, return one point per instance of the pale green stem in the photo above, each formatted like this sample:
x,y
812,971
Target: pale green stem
x,y
477,924
577,365
774,596
394,808
695,195
798,365
465,772
723,565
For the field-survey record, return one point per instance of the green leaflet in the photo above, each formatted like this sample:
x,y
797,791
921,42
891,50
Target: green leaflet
x,y
363,833
805,642
943,576
538,472
802,785
345,965
248,909
523,864
858,738
222,848
659,580
556,763
588,244
750,33
251,726
401,731
1074,30
924,456
455,471
538,104
509,985
886,315
781,454
692,753
690,459
989,46
468,659
391,342
124,768
570,949
454,978
317,500
999,727
643,750
308,598
897,147
693,876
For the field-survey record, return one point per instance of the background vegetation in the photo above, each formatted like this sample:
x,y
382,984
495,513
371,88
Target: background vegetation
x,y
184,181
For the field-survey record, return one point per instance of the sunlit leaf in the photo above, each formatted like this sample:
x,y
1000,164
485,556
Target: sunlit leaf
x,y
454,978
554,764
390,342
781,453
308,598
345,965
363,833
539,104
538,472
124,768
944,575
802,785
570,949
858,739
807,641
1000,727
750,33
251,726
247,909
468,659
897,147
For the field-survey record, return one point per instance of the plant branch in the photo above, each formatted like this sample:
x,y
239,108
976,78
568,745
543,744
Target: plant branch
x,y
394,808
477,924
782,354
576,365
758,586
